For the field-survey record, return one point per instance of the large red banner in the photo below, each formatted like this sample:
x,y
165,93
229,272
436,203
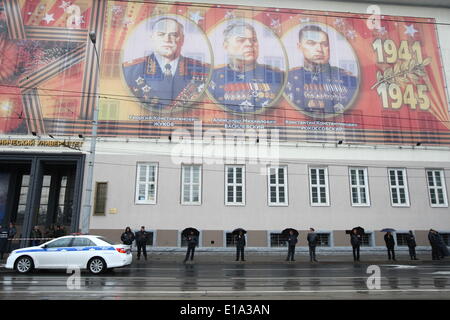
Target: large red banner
x,y
311,75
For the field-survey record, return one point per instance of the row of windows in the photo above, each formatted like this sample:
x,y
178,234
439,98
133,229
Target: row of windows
x,y
278,240
277,185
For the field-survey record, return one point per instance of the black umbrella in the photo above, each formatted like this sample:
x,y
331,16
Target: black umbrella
x,y
238,230
387,230
359,230
287,230
188,231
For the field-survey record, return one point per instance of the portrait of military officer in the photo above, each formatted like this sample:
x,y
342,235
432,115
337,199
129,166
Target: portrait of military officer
x,y
166,79
243,85
317,87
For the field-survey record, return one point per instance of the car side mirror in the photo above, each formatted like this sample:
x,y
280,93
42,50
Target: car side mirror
x,y
44,246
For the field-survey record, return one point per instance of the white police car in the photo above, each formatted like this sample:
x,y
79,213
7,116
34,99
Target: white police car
x,y
95,253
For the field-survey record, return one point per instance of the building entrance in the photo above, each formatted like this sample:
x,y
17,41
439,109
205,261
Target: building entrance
x,y
41,191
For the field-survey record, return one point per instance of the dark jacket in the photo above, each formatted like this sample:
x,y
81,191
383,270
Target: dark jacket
x,y
240,241
192,241
355,240
36,234
433,238
442,246
389,239
127,238
312,239
411,241
141,237
60,233
3,240
12,232
292,240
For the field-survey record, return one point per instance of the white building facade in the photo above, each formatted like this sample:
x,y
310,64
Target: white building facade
x,y
263,185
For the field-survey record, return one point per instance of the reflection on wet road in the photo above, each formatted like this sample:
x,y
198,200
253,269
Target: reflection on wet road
x,y
153,280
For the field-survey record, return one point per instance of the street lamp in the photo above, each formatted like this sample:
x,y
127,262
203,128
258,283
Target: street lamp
x,y
87,206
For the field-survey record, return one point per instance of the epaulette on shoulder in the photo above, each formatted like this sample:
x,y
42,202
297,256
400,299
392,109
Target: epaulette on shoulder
x,y
296,69
134,62
272,68
220,66
345,72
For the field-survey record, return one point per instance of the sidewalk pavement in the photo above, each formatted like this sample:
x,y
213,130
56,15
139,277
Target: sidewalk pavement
x,y
270,257
280,257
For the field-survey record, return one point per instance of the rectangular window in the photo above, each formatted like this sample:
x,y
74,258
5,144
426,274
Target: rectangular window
x,y
146,183
398,187
234,185
230,239
277,240
323,240
101,189
366,240
318,178
359,187
191,184
446,238
436,188
277,186
402,239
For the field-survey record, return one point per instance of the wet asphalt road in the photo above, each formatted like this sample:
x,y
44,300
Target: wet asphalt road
x,y
236,280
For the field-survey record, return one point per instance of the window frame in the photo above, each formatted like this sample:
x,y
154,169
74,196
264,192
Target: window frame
x,y
443,187
235,184
403,234
370,236
330,238
137,182
405,185
327,188
286,186
200,182
283,243
94,207
366,186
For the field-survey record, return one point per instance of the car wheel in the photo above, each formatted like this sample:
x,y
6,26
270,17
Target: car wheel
x,y
24,264
96,265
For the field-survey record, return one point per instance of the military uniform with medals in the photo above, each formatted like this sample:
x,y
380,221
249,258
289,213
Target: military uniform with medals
x,y
246,91
162,89
326,90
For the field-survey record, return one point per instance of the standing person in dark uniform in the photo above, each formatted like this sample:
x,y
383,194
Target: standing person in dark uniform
x,y
36,234
59,232
312,243
192,242
411,241
127,237
141,242
317,87
442,246
390,244
240,245
355,240
3,241
243,85
11,234
434,242
292,240
50,232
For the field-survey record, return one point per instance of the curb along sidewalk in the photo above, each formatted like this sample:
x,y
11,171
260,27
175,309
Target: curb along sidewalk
x,y
177,257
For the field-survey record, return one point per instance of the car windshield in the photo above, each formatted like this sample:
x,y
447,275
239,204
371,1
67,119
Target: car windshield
x,y
106,240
